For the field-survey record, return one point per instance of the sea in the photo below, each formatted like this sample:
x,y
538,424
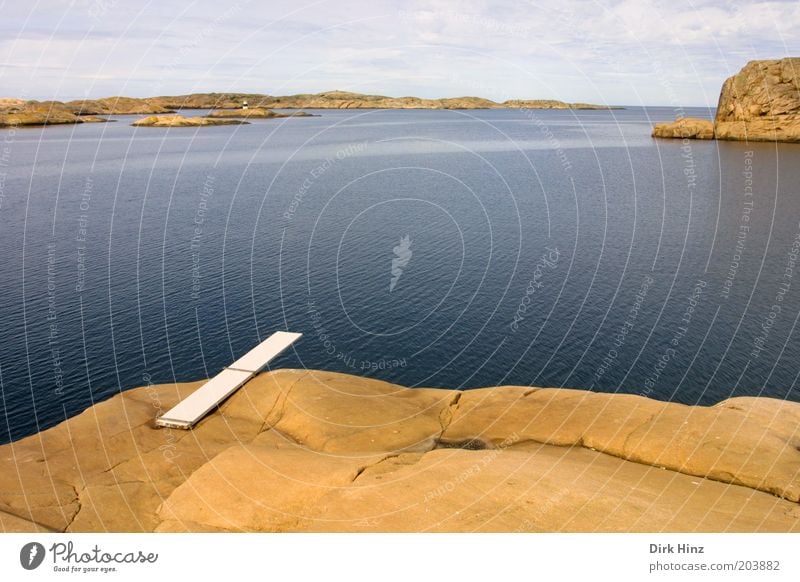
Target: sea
x,y
430,248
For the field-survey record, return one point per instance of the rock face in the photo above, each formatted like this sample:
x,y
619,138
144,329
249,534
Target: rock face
x,y
181,121
685,127
297,450
760,103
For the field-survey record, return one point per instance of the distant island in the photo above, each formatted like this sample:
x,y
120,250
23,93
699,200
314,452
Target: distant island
x,y
17,112
347,100
760,103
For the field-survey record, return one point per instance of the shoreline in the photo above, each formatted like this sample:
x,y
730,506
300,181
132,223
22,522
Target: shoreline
x,y
17,112
298,450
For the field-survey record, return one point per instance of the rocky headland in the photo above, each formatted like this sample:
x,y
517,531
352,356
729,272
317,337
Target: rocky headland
x,y
760,103
299,450
181,121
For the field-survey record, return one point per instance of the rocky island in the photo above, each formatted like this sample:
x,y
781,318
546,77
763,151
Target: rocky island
x,y
16,112
181,121
760,103
255,113
349,100
301,450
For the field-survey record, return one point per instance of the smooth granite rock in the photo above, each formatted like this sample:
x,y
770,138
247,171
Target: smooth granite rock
x,y
297,450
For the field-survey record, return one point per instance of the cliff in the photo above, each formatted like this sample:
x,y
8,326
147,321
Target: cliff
x,y
760,103
297,450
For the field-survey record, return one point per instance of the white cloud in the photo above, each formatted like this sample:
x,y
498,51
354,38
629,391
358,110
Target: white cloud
x,y
614,51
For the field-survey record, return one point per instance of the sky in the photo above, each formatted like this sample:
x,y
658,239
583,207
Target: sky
x,y
618,52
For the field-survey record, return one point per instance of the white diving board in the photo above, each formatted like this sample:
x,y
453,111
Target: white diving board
x,y
191,410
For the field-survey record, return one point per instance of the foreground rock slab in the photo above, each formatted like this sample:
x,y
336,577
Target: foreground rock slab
x,y
298,450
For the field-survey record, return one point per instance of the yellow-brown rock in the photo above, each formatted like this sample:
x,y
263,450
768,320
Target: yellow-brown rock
x,y
686,128
181,121
116,106
255,113
41,113
297,450
761,102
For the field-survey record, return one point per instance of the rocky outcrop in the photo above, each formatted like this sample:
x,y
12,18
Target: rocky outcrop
x,y
181,121
255,113
297,450
34,113
760,103
686,128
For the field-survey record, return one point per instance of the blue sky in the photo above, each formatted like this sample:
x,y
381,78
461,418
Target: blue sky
x,y
630,52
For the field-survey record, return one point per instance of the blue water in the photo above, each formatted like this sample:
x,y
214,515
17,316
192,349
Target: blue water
x,y
548,248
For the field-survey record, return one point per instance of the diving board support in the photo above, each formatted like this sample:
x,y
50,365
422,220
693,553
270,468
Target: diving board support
x,y
199,403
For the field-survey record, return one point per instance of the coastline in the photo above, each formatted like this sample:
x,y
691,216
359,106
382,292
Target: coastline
x,y
18,113
298,450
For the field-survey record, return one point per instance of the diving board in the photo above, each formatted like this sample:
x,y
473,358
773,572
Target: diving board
x,y
260,355
191,410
